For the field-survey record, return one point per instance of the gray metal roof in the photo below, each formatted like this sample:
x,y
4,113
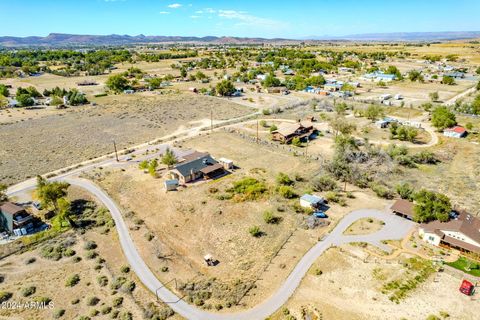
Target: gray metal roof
x,y
195,165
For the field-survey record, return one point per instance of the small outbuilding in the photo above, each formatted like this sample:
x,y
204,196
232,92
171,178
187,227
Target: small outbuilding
x,y
455,132
227,163
311,201
171,184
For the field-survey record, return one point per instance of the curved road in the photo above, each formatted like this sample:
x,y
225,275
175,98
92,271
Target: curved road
x,y
394,228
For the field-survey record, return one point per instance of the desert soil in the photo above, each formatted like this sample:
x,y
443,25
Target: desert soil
x,y
45,142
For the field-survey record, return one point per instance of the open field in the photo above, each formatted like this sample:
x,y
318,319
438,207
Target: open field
x,y
348,275
62,138
45,270
187,224
456,175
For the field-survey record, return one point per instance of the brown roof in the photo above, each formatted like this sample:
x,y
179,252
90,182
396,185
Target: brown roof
x,y
403,206
464,223
194,156
461,244
10,208
287,129
211,168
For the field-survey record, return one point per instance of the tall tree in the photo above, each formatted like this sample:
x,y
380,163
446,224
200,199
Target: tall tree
x,y
431,206
3,193
117,83
50,193
169,158
225,88
443,118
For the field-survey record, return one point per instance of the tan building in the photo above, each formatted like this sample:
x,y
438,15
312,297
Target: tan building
x,y
461,233
287,131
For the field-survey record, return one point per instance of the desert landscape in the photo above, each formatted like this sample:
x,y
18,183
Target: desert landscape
x,y
240,177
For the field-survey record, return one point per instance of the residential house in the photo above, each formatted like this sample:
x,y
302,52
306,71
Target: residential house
x,y
379,76
14,217
287,131
332,87
455,132
195,166
462,232
403,208
311,201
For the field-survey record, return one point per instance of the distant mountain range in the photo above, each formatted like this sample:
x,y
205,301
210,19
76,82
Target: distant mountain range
x,y
60,39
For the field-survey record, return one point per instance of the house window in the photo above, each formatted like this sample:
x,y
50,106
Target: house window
x,y
431,238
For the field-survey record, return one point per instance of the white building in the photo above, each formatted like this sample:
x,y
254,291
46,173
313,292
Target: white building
x,y
462,232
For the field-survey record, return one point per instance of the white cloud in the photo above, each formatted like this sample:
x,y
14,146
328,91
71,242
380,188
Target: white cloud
x,y
210,10
164,12
195,17
174,5
245,19
199,12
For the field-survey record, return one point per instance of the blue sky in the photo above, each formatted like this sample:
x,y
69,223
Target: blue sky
x,y
262,18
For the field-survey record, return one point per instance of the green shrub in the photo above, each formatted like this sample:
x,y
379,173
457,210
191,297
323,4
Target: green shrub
x,y
283,179
72,280
59,313
255,231
69,252
92,301
43,300
5,296
118,283
270,218
332,196
28,291
287,192
249,188
90,245
102,280
106,310
117,302
91,255
75,301
324,183
382,191
130,286
125,269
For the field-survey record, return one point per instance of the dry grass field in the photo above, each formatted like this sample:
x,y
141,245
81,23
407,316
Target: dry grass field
x,y
456,175
45,142
175,230
349,286
364,226
104,287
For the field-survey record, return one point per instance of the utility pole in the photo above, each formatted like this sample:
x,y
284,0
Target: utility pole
x,y
211,120
115,148
257,130
306,148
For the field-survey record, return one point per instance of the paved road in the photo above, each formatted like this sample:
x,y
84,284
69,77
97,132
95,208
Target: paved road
x,y
394,228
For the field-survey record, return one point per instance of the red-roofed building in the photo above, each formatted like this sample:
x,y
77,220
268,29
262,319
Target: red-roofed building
x,y
455,132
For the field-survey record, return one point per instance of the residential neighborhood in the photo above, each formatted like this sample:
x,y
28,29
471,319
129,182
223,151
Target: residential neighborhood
x,y
240,161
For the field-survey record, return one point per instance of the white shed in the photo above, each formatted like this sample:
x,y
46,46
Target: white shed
x,y
227,163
